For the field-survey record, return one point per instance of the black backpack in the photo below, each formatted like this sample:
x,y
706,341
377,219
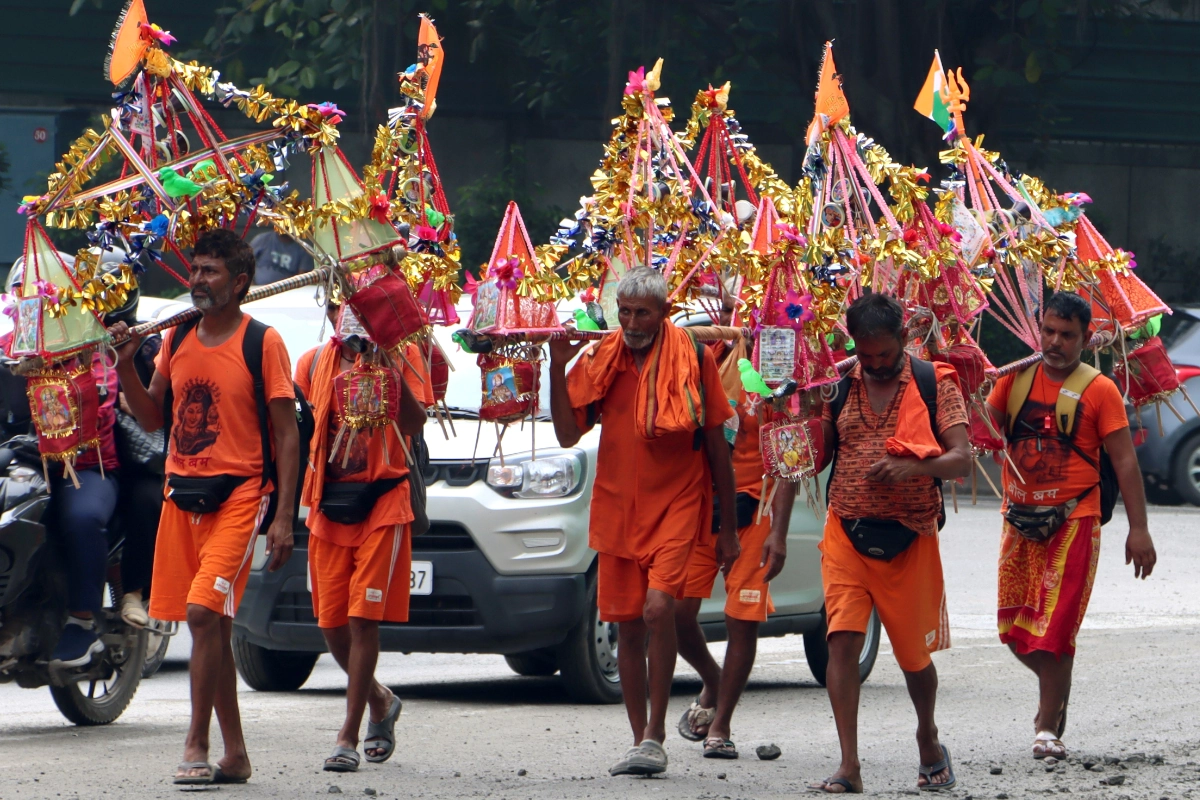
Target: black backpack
x,y
252,352
925,375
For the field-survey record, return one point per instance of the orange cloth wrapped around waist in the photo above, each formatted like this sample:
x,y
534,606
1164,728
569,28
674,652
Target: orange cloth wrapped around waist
x,y
668,394
914,434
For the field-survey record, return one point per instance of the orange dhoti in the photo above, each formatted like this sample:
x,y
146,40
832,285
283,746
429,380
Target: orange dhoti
x,y
1044,587
908,593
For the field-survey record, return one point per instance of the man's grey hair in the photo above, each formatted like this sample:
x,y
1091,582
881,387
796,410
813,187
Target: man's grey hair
x,y
643,283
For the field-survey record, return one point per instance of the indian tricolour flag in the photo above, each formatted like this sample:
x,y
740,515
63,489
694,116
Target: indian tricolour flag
x,y
929,101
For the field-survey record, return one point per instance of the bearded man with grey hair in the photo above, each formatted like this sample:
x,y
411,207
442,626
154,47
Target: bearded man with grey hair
x,y
657,394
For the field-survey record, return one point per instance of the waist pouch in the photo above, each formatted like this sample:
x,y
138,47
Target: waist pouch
x,y
351,503
747,507
202,495
883,539
1039,523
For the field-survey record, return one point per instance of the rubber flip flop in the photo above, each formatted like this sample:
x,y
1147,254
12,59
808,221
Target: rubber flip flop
x,y
193,780
695,715
823,786
383,732
221,776
933,769
716,747
344,759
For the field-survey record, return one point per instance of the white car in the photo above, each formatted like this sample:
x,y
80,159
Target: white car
x,y
505,567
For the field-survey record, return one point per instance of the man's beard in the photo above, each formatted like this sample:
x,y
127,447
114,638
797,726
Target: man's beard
x,y
885,373
638,341
207,300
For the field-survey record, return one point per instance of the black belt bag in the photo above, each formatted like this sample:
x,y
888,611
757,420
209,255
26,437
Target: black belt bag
x,y
746,508
883,539
351,503
202,495
1039,523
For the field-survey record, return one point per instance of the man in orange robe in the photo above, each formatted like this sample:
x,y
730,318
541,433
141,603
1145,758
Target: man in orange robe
x,y
661,405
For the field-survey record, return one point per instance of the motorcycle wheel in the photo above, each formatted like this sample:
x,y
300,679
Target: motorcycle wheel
x,y
98,700
156,653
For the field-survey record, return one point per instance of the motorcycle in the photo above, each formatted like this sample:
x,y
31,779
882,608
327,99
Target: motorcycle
x,y
33,609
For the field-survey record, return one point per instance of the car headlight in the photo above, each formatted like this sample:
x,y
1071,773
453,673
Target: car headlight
x,y
556,474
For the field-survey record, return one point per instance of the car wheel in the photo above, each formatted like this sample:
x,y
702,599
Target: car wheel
x,y
1185,471
816,649
588,656
535,663
1162,495
271,670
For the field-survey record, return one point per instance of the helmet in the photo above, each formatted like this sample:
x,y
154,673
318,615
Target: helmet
x,y
16,275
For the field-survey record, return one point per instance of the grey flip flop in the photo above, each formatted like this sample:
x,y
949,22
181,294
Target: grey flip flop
x,y
221,776
933,769
383,731
193,780
695,715
824,785
344,759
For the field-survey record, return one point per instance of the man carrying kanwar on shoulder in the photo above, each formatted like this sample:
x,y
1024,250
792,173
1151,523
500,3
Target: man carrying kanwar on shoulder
x,y
896,430
1060,417
224,384
360,545
658,397
762,536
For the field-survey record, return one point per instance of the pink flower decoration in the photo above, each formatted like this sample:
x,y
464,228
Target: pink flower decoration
x,y
157,34
588,296
797,307
507,271
332,114
637,81
426,233
791,233
380,208
470,285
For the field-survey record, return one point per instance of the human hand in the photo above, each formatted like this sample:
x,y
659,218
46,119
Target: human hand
x,y
1139,550
127,349
728,550
894,469
774,554
279,542
563,350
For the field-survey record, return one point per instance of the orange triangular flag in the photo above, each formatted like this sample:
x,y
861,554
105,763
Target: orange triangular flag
x,y
763,237
430,56
127,47
830,100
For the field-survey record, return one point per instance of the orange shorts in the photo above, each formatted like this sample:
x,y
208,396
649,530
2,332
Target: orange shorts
x,y
908,592
746,594
370,581
622,583
204,559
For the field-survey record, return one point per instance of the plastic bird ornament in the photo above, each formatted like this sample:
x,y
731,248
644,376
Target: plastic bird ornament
x,y
752,381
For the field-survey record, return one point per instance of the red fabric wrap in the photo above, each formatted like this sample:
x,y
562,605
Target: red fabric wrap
x,y
439,374
388,310
509,388
65,408
1147,373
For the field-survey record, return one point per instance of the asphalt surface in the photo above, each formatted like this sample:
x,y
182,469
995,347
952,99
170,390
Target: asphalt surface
x,y
471,728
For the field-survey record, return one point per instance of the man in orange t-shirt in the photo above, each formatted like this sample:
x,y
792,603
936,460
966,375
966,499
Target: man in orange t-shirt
x,y
359,564
880,549
661,408
1045,584
217,482
763,540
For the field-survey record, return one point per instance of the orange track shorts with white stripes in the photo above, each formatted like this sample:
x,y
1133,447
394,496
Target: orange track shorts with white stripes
x,y
908,592
370,581
204,559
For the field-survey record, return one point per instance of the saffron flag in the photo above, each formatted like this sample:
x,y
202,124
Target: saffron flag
x,y
430,56
929,101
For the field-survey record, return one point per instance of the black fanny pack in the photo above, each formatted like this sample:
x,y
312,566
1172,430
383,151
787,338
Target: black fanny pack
x,y
351,503
747,507
1039,523
883,539
202,495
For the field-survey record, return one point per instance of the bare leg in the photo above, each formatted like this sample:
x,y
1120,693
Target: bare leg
x,y
1054,685
922,688
841,679
235,762
341,646
205,672
631,666
659,615
694,649
739,661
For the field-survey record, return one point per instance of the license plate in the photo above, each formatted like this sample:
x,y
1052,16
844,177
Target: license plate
x,y
421,578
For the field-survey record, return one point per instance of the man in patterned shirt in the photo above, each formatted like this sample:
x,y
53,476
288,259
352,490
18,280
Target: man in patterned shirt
x,y
880,548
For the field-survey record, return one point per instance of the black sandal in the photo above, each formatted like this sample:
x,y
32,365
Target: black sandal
x,y
716,747
823,786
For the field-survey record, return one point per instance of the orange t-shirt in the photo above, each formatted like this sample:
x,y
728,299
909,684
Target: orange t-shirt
x,y
748,466
862,440
369,460
1054,473
215,427
649,491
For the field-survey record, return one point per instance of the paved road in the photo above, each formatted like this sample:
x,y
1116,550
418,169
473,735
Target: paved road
x,y
469,725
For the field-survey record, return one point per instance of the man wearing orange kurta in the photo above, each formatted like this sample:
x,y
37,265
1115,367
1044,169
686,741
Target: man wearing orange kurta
x,y
359,562
661,406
